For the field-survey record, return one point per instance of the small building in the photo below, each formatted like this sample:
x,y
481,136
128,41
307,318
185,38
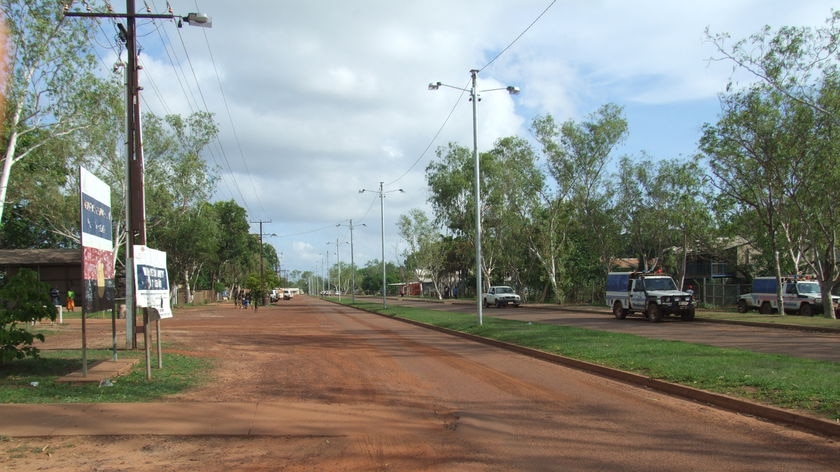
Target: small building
x,y
59,268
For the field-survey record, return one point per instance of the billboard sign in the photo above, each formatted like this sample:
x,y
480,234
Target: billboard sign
x,y
97,243
151,280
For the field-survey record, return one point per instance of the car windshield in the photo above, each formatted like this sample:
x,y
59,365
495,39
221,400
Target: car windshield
x,y
808,287
504,290
660,283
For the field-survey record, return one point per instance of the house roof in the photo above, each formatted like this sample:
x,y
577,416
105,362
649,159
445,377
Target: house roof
x,y
24,257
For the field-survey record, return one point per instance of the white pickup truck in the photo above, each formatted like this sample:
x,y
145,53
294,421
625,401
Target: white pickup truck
x,y
501,295
800,296
653,295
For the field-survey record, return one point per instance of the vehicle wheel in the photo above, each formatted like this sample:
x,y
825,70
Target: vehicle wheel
x,y
806,310
654,313
498,304
486,305
618,311
765,309
742,306
688,315
516,305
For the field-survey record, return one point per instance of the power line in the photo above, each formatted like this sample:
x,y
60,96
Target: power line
x,y
503,51
463,92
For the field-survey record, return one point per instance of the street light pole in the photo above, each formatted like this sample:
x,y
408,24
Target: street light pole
x,y
479,289
352,261
382,239
327,269
338,263
382,193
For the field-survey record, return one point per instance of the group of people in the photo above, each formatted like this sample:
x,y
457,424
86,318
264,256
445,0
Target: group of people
x,y
71,298
242,299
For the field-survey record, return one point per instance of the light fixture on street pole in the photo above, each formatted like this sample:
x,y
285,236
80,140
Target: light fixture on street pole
x,y
338,263
352,261
479,290
382,193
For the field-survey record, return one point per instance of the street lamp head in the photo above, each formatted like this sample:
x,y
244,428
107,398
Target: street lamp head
x,y
512,90
361,190
198,19
435,85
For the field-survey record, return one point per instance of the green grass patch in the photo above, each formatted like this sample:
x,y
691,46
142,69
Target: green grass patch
x,y
179,373
778,380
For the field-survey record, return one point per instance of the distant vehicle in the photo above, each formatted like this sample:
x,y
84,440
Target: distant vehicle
x,y
287,294
653,295
800,295
501,295
274,295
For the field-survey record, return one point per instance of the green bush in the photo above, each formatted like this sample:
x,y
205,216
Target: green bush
x,y
23,299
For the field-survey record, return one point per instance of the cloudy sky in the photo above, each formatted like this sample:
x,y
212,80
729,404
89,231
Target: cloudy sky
x,y
318,99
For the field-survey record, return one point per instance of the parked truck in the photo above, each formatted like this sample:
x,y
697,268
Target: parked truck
x,y
649,294
800,295
501,295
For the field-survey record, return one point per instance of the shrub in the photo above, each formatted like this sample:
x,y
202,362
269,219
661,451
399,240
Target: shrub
x,y
23,299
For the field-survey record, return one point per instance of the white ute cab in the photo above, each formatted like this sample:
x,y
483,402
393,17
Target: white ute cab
x,y
501,295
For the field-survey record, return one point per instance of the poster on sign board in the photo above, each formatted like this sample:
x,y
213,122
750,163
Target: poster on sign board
x,y
97,244
151,280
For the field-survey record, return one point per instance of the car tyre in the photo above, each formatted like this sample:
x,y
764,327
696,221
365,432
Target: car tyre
x,y
806,310
742,306
688,315
618,311
765,308
654,314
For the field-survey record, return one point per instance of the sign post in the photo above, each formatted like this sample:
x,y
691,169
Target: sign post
x,y
152,289
97,251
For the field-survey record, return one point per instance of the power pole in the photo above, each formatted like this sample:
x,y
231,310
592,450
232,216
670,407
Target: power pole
x,y
262,269
136,193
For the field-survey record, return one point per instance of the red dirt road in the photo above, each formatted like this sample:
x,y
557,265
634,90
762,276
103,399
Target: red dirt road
x,y
340,389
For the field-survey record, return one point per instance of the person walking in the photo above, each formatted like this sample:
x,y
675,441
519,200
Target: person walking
x,y
71,302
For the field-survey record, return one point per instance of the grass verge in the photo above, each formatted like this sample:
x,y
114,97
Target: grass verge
x,y
784,381
179,373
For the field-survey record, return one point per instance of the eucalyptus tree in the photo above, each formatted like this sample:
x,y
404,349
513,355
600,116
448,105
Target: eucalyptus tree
x,y
789,60
51,81
779,137
190,245
814,144
510,187
425,247
666,209
577,155
233,255
450,180
513,185
748,162
647,222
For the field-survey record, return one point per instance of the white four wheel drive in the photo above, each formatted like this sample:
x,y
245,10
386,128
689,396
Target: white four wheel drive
x,y
501,295
650,294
